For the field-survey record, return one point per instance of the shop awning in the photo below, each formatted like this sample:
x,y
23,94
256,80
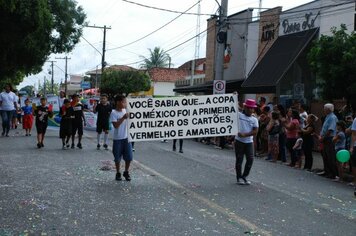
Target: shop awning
x,y
277,61
207,87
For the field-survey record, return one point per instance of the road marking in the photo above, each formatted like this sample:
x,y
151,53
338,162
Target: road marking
x,y
206,201
231,215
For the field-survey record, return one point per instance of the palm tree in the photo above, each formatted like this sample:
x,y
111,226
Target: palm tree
x,y
158,58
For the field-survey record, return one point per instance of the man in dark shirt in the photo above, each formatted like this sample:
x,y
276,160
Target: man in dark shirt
x,y
78,120
103,109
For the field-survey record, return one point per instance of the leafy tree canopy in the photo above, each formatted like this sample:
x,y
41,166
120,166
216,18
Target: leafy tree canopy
x,y
333,58
124,82
29,89
47,86
158,58
32,29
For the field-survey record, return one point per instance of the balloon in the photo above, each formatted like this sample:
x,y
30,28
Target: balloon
x,y
343,156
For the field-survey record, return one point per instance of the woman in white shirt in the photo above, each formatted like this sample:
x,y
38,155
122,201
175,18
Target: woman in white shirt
x,y
8,104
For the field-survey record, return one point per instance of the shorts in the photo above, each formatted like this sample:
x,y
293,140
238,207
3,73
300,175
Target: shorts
x,y
77,126
122,149
102,126
41,128
353,158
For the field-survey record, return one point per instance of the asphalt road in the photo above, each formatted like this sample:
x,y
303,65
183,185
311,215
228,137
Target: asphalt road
x,y
63,192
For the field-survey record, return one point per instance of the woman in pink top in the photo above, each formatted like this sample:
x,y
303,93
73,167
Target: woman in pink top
x,y
292,127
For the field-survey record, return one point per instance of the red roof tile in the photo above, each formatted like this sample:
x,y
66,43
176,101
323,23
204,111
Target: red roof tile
x,y
167,74
113,67
188,64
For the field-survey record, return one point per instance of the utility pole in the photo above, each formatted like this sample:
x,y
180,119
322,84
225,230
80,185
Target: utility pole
x,y
52,76
103,63
221,38
44,87
197,45
65,73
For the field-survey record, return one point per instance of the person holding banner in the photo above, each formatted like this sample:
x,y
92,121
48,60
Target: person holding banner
x,y
248,127
121,147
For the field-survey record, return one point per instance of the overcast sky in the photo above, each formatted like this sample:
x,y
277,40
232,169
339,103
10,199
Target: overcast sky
x,y
130,22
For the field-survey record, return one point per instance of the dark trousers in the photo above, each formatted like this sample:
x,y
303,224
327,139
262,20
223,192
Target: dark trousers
x,y
290,143
6,117
329,158
308,153
282,147
241,150
180,144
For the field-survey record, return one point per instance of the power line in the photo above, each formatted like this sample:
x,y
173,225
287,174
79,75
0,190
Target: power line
x,y
91,45
147,35
294,11
166,10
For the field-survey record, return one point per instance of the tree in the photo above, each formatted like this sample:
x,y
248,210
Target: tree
x,y
32,29
124,82
14,81
48,87
333,59
29,89
158,58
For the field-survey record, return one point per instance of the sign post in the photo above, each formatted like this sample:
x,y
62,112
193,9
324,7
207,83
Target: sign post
x,y
219,87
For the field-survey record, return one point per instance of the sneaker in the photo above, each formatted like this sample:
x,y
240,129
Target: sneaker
x,y
246,182
67,145
321,173
127,176
79,145
39,145
174,149
98,146
118,176
239,182
133,150
217,147
42,145
73,146
105,146
3,134
26,135
64,147
181,151
29,134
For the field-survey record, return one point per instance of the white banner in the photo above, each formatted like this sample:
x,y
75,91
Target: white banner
x,y
183,117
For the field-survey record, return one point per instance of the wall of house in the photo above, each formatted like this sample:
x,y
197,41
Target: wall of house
x,y
252,47
163,89
300,18
335,16
268,30
210,49
237,39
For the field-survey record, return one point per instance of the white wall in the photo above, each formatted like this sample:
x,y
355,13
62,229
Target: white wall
x,y
252,46
163,88
326,13
335,16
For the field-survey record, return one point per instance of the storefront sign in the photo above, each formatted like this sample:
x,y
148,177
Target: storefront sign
x,y
294,27
183,117
268,32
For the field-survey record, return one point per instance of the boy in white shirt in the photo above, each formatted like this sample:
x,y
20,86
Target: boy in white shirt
x,y
121,147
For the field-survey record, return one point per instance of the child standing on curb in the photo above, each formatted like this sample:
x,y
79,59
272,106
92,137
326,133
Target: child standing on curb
x,y
340,143
121,146
42,113
27,120
298,150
